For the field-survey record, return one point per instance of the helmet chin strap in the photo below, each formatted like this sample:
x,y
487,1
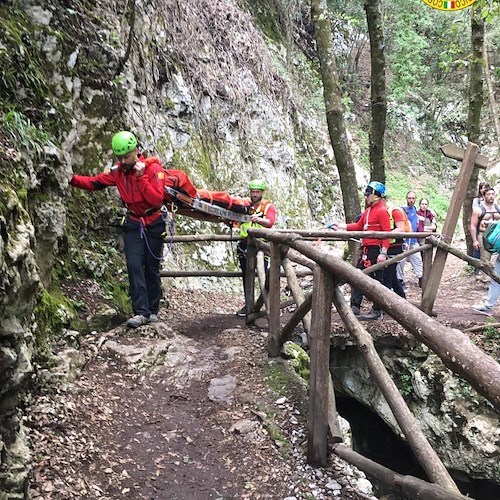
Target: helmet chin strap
x,y
374,200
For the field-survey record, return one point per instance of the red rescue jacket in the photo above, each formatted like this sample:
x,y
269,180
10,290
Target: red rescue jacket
x,y
374,218
143,196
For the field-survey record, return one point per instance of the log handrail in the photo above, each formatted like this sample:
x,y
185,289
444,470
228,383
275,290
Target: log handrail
x,y
410,486
329,234
425,454
454,348
486,267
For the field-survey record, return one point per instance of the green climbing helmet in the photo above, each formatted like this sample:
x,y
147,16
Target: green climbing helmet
x,y
123,143
258,184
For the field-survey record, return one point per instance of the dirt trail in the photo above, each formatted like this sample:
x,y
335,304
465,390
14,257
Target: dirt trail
x,y
192,408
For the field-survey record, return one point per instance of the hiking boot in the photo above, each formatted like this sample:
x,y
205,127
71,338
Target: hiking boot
x,y
153,318
483,309
137,321
371,315
355,310
242,312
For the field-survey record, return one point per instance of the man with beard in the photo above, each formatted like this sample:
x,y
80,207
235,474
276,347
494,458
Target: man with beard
x,y
263,214
140,183
411,243
374,218
482,215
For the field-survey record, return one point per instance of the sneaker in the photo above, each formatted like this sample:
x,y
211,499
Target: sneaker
x,y
402,283
483,309
137,321
355,310
242,312
371,315
153,318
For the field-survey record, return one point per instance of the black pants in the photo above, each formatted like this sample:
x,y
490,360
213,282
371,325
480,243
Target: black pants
x,y
368,258
241,253
390,279
143,252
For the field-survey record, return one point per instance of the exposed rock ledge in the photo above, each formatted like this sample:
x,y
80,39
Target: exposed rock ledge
x,y
460,424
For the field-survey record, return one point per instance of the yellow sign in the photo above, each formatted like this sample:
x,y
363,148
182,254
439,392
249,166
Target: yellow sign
x,y
449,4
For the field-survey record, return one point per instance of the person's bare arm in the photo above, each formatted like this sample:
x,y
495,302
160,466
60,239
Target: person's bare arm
x,y
474,221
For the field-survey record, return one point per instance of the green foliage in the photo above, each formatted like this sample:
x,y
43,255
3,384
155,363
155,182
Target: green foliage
x,y
491,333
99,258
405,385
299,359
398,184
490,9
406,367
22,76
53,312
407,55
439,201
423,46
270,16
26,137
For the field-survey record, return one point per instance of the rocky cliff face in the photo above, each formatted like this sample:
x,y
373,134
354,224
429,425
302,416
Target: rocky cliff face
x,y
204,89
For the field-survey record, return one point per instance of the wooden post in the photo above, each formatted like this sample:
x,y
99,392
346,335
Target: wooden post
x,y
262,278
457,200
317,423
424,453
426,268
297,292
250,278
300,299
273,339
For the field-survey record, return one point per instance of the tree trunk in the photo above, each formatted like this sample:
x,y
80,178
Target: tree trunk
x,y
378,90
491,92
334,109
474,115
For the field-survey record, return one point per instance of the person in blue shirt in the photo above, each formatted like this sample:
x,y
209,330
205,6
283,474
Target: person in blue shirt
x,y
416,258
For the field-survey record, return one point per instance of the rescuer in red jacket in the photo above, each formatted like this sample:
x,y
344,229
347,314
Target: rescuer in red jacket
x,y
140,183
374,218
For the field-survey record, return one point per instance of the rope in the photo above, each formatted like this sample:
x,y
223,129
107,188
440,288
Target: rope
x,y
144,235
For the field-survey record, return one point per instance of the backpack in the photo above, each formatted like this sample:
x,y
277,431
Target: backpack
x,y
491,237
484,212
390,208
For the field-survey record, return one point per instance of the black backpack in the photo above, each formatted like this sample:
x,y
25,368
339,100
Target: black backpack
x,y
484,212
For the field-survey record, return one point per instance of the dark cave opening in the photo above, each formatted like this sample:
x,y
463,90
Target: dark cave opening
x,y
374,439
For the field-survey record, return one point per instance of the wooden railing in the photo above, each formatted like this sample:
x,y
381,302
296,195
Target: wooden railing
x,y
314,311
454,347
